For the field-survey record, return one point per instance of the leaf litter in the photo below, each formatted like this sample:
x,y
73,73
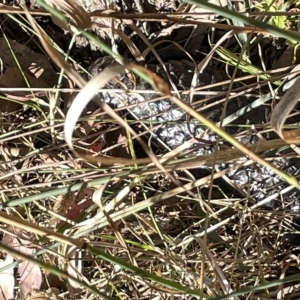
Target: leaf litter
x,y
30,275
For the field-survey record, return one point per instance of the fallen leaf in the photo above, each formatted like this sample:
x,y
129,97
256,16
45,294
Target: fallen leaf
x,y
76,211
7,279
30,274
36,68
13,78
30,277
35,64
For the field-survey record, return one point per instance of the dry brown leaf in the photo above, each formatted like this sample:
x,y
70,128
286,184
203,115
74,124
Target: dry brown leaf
x,y
57,57
13,78
36,64
36,68
78,209
7,279
30,274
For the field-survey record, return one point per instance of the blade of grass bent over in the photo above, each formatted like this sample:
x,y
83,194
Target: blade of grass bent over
x,y
87,94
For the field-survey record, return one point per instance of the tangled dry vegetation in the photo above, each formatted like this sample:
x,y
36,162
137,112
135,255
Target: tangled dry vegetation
x,y
145,152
